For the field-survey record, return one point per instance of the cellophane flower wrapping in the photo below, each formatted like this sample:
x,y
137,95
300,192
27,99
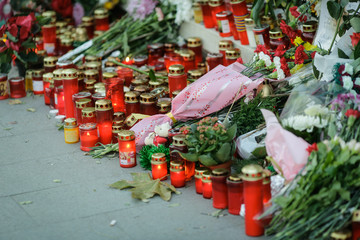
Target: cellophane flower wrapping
x,y
211,93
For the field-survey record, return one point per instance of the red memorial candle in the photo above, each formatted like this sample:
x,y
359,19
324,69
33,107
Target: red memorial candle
x,y
47,77
49,39
88,115
126,74
104,117
38,84
57,83
356,225
231,55
188,59
159,166
253,199
216,6
59,91
17,87
226,26
277,38
88,136
50,64
207,14
194,44
140,60
177,173
235,193
132,103
178,145
155,51
198,179
101,19
79,106
88,23
213,60
219,188
206,185
240,12
115,92
225,45
70,83
309,31
262,35
127,149
148,104
177,78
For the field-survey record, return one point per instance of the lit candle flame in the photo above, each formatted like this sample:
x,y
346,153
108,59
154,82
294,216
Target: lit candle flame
x,y
127,59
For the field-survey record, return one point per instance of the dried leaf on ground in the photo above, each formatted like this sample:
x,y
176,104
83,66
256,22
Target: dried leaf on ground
x,y
174,205
31,110
8,128
15,102
25,202
13,122
144,187
217,213
57,180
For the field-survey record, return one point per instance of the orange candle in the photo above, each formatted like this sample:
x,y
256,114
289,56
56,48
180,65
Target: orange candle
x,y
177,173
127,149
206,185
159,166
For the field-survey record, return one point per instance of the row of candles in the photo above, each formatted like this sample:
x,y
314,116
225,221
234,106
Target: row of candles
x,y
231,18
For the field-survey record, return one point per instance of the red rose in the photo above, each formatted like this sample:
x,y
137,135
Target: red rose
x,y
355,37
312,147
280,50
353,113
64,7
300,55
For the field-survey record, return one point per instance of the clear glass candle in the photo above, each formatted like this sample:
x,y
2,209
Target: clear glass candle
x,y
159,166
253,199
71,131
219,188
177,173
127,149
17,87
231,55
47,77
213,60
115,92
235,193
79,106
194,44
198,179
49,39
148,104
88,136
38,84
88,115
250,25
206,185
104,118
101,19
132,103
240,12
70,83
177,78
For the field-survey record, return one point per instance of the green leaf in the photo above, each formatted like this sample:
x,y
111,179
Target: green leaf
x,y
357,52
315,71
212,147
152,75
207,160
332,130
223,154
259,152
11,37
355,23
192,157
342,54
231,132
343,3
334,9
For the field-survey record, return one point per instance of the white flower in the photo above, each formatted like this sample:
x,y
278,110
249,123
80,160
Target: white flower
x,y
303,122
316,110
357,147
277,62
280,73
348,69
347,82
357,81
183,10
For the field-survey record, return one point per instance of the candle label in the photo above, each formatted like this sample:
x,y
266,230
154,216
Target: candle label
x,y
55,99
224,26
259,39
71,135
127,158
49,47
38,86
3,88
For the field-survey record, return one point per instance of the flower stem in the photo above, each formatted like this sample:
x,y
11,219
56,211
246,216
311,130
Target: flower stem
x,y
337,30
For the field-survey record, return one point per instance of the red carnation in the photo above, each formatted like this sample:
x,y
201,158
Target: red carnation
x,y
261,48
280,50
64,7
296,14
300,55
287,30
311,148
313,54
355,38
353,113
240,60
13,29
285,66
341,69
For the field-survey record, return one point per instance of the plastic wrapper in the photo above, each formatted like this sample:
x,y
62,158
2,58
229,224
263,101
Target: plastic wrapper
x,y
247,143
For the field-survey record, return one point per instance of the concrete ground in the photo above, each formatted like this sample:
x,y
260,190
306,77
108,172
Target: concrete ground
x,y
81,205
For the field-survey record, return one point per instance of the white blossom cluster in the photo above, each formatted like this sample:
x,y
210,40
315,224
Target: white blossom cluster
x,y
183,9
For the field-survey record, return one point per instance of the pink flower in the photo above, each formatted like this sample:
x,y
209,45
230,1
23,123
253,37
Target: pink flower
x,y
78,13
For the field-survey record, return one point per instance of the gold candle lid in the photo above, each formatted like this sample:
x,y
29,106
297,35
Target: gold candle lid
x,y
155,84
47,77
199,171
193,42
50,14
81,34
195,74
99,85
158,158
126,135
252,172
91,58
206,176
57,73
29,73
90,83
66,41
117,128
220,172
69,73
225,44
108,75
87,20
119,116
236,1
165,106
93,65
232,53
341,235
310,26
103,105
88,112
101,13
131,97
176,70
169,47
91,73
276,33
216,3
235,178
50,61
356,216
177,166
88,126
80,75
187,55
147,98
82,103
141,89
179,140
110,64
70,123
37,72
138,81
98,33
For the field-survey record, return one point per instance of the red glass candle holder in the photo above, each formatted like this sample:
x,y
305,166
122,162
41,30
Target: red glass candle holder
x,y
127,149
91,74
57,83
235,193
140,60
71,131
66,45
148,104
94,66
51,93
231,55
309,31
4,92
49,39
126,74
226,26
88,23
194,44
225,45
79,106
116,129
81,95
88,115
198,179
178,145
70,83
253,199
159,166
219,188
167,58
177,78
266,187
188,59
38,84
17,87
65,64
59,103
356,225
104,118
262,35
132,103
97,96
177,173
240,12
164,106
206,185
277,38
101,19
175,59
213,60
216,6
47,77
88,136
50,64
155,51
115,92
207,14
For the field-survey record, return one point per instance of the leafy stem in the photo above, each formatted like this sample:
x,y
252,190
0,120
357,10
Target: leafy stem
x,y
337,30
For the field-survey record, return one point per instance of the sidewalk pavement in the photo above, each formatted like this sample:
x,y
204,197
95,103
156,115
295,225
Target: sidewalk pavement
x,y
79,204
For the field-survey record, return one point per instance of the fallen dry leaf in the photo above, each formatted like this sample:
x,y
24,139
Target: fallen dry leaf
x,y
13,122
8,128
31,110
15,102
25,202
57,180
